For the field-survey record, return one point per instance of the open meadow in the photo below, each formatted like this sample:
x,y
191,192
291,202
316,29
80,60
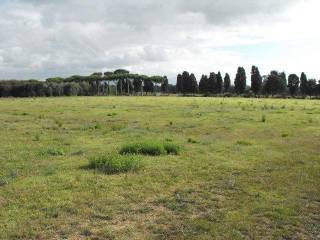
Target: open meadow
x,y
244,168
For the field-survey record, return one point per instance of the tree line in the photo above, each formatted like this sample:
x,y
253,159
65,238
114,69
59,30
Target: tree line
x,y
119,82
274,84
122,82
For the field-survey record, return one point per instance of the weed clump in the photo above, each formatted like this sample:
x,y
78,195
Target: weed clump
x,y
263,118
150,148
171,148
144,148
115,163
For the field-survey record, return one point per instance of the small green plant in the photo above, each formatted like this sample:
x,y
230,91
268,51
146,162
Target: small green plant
x,y
285,135
115,163
263,118
97,126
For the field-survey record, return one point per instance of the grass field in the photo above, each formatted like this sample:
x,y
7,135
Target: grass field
x,y
247,169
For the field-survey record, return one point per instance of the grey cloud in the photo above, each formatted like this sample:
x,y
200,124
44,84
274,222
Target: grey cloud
x,y
45,37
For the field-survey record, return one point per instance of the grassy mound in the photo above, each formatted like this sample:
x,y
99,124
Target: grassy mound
x,y
149,148
115,163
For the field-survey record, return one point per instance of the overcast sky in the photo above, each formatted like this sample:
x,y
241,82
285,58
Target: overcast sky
x,y
44,38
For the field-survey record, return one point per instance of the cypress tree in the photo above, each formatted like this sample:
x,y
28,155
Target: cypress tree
x,y
186,84
226,83
303,83
293,84
240,81
179,84
283,82
219,83
212,82
256,80
193,83
203,84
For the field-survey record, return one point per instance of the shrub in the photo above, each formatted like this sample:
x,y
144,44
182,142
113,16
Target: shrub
x,y
144,148
171,148
115,163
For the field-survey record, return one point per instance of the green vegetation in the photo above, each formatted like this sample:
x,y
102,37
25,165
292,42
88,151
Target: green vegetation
x,y
235,177
114,163
151,148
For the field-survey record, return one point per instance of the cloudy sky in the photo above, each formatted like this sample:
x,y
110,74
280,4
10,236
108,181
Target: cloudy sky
x,y
43,38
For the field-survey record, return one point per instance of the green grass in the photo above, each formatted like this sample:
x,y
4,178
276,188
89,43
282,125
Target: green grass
x,y
151,148
236,176
114,163
144,148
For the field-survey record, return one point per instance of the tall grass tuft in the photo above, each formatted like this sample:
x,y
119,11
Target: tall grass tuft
x,y
171,148
150,148
115,163
144,148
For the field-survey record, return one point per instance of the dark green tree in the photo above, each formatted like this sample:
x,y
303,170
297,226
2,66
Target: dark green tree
x,y
165,85
283,82
240,81
293,84
137,85
272,83
179,84
311,87
226,83
148,86
193,84
256,80
219,84
186,83
303,84
212,83
203,84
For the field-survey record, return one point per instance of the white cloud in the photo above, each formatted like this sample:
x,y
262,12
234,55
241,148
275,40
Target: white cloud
x,y
43,38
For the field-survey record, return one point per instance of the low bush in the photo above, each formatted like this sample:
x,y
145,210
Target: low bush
x,y
115,163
